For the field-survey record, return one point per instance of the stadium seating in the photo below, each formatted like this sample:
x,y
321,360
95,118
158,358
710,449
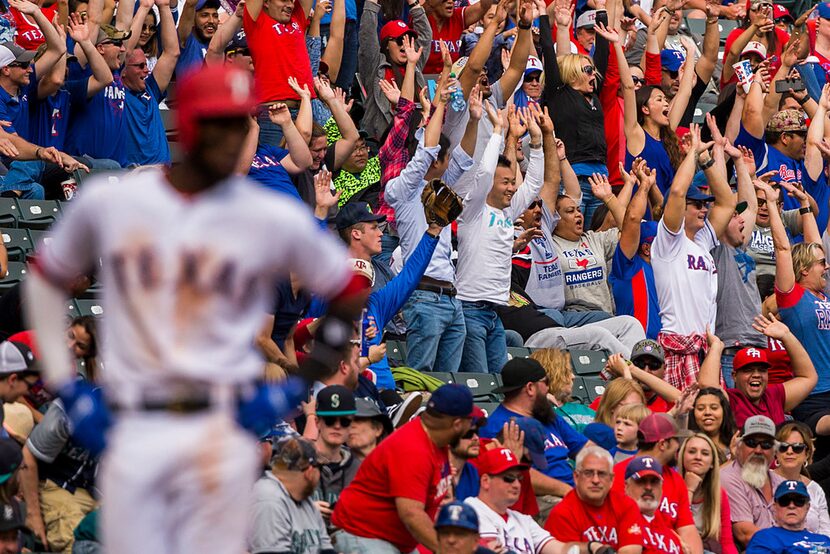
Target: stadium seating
x,y
37,214
481,384
396,353
594,387
8,212
588,362
89,307
17,272
18,243
518,352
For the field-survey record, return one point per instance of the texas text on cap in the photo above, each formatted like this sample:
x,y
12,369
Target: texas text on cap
x,y
10,53
750,356
660,426
642,466
648,348
671,60
758,425
108,32
354,213
452,400
518,372
336,400
457,514
587,19
11,456
16,357
395,29
497,461
791,487
294,454
11,516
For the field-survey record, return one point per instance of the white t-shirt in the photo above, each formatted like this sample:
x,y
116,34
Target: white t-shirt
x,y
545,284
518,533
585,263
188,279
686,279
485,233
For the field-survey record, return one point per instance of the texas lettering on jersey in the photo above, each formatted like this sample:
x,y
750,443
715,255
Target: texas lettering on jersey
x,y
822,308
660,542
605,534
282,29
583,267
116,94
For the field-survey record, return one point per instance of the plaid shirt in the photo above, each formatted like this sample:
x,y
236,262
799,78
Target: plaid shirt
x,y
394,155
683,355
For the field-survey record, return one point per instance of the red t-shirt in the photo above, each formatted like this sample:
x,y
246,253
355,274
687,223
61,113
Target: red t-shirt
x,y
450,33
775,57
811,33
279,52
408,465
29,36
675,502
616,523
659,537
771,404
781,368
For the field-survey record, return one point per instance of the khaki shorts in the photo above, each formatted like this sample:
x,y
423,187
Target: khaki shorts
x,y
62,512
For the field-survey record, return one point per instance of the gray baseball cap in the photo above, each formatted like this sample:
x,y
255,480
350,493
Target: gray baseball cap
x,y
648,347
758,425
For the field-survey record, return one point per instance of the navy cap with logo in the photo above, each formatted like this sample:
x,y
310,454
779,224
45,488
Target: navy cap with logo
x,y
11,516
11,456
452,400
354,213
336,400
641,466
457,514
791,487
694,193
518,372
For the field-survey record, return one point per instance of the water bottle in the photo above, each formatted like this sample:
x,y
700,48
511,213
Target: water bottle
x,y
457,102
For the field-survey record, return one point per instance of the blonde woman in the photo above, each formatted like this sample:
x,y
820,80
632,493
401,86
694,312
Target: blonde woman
x,y
619,392
557,364
697,462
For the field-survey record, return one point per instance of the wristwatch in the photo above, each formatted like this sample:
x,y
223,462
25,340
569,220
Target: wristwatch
x,y
805,210
706,165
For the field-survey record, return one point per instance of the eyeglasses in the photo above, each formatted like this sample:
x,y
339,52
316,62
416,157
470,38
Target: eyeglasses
x,y
698,204
363,148
142,65
510,479
798,447
331,421
591,473
788,499
34,387
534,77
589,69
765,444
653,365
115,42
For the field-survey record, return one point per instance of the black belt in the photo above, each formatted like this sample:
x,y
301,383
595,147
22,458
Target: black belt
x,y
447,291
187,403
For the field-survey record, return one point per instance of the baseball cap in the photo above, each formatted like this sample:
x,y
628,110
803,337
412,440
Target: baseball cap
x,y
238,42
10,53
587,19
497,461
518,372
750,356
824,10
671,59
741,207
16,357
367,408
648,230
395,29
660,426
755,47
779,11
648,348
787,120
11,456
534,440
336,400
363,267
457,514
694,193
600,434
294,454
109,32
641,466
758,425
452,400
11,516
753,4
17,420
791,487
354,213
203,4
533,64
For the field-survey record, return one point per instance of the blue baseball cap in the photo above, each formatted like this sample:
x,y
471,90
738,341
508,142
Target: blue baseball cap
x,y
791,487
457,514
694,193
601,434
356,212
671,60
641,466
534,440
699,180
202,4
453,400
648,230
824,10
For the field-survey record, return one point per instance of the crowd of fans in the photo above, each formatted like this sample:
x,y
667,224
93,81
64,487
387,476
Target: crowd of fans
x,y
628,186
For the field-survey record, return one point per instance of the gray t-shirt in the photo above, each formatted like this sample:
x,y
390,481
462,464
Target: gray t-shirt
x,y
586,264
738,299
280,524
456,122
761,248
50,436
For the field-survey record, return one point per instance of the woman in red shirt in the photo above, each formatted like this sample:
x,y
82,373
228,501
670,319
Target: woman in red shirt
x,y
759,26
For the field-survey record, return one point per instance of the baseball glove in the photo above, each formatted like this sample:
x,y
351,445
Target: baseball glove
x,y
441,204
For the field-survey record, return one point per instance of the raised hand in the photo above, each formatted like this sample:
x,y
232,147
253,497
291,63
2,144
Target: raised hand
x,y
611,35
748,158
390,90
303,92
514,438
495,117
340,97
475,107
528,114
24,6
324,90
560,149
321,8
526,13
323,196
279,114
77,28
824,101
516,128
657,19
712,339
563,13
545,122
600,187
796,190
525,237
445,55
773,328
412,54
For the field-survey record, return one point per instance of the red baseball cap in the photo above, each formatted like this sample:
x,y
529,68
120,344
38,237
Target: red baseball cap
x,y
660,426
779,11
750,356
394,29
497,461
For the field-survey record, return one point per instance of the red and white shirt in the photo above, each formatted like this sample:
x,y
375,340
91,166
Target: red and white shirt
x,y
675,502
617,523
515,531
450,32
659,537
29,35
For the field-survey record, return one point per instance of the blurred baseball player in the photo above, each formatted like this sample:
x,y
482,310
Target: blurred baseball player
x,y
188,259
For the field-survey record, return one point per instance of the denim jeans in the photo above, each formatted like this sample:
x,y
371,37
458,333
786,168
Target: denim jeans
x,y
388,243
726,369
435,331
269,132
348,63
346,542
589,201
485,348
513,338
29,177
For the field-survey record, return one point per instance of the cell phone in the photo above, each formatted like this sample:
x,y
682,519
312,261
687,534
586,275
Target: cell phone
x,y
785,85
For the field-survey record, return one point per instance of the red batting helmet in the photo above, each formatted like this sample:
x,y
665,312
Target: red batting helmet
x,y
212,91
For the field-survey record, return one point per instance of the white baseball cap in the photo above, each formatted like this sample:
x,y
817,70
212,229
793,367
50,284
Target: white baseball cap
x,y
11,52
755,47
15,357
533,64
587,19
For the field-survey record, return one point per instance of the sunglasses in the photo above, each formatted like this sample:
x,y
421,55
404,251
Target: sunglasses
x,y
510,479
698,204
589,69
786,500
115,42
672,74
20,65
763,202
638,81
399,40
653,365
534,204
798,447
534,77
331,421
765,444
473,432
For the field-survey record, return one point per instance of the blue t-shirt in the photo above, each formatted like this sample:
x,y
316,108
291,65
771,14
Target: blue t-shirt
x,y
49,118
776,540
146,141
267,170
192,55
15,109
769,158
655,154
808,317
632,283
351,12
561,442
288,310
468,483
97,127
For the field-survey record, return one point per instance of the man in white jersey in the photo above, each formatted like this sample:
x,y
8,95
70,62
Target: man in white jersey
x,y
684,271
188,259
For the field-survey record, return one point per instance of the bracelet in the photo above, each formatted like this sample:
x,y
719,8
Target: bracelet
x,y
803,100
563,158
707,164
37,152
524,26
535,146
806,210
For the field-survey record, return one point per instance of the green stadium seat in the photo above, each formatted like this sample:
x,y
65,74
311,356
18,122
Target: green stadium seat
x,y
17,273
38,237
396,353
37,214
588,362
580,392
18,243
89,307
594,387
445,376
481,384
8,212
517,352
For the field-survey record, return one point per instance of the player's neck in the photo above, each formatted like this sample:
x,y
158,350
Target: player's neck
x,y
191,178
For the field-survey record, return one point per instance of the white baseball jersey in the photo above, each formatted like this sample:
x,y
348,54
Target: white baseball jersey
x,y
518,533
188,278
